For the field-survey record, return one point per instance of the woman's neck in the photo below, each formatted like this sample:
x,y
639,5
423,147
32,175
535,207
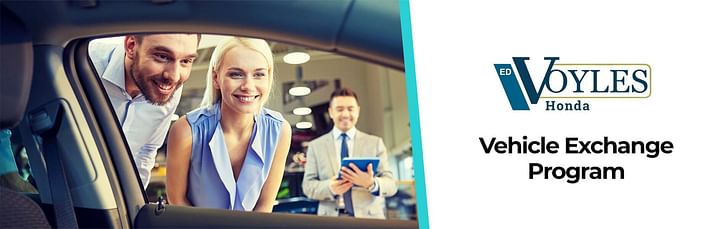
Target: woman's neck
x,y
235,123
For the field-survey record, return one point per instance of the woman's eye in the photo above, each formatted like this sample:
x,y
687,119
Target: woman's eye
x,y
259,75
235,74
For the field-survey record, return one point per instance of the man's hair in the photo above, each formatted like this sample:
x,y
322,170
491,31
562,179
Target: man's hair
x,y
343,92
139,37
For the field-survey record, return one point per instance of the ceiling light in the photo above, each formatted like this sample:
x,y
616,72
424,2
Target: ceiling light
x,y
303,125
296,57
302,111
300,90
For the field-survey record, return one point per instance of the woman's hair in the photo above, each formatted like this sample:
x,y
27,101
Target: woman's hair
x,y
212,95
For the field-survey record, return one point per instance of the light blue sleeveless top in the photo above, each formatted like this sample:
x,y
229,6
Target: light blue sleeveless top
x,y
211,181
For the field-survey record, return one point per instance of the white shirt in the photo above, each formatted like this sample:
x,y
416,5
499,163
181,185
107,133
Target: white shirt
x,y
144,124
338,141
350,143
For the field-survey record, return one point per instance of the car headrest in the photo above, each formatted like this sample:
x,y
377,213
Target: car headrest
x,y
16,68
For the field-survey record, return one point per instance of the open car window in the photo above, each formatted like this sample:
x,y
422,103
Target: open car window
x,y
381,96
80,150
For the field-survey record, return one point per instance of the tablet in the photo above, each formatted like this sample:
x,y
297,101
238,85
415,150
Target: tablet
x,y
361,163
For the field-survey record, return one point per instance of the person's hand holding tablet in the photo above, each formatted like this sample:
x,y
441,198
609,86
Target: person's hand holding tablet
x,y
365,177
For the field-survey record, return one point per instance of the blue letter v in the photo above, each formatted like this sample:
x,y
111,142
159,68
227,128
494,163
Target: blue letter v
x,y
533,94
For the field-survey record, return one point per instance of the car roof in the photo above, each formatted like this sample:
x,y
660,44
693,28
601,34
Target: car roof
x,y
368,30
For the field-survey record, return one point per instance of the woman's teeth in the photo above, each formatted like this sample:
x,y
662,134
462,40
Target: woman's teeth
x,y
247,98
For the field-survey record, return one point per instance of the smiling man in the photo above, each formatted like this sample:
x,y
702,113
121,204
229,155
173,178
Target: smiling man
x,y
143,79
356,193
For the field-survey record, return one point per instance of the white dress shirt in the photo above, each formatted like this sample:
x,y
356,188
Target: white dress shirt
x,y
350,150
144,124
338,141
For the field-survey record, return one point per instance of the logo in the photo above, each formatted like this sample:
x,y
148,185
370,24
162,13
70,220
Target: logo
x,y
561,84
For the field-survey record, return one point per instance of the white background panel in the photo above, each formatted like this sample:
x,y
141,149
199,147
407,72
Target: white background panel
x,y
461,98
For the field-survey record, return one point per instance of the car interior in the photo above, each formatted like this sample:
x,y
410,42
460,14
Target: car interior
x,y
71,166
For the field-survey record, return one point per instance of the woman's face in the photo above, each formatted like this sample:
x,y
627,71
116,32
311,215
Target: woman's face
x,y
243,78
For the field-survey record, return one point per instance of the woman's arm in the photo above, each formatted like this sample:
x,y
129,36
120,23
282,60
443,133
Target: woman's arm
x,y
178,155
271,186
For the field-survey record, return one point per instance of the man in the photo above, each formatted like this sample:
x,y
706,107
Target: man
x,y
143,79
358,193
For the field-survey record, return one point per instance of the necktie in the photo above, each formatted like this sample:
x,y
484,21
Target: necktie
x,y
347,197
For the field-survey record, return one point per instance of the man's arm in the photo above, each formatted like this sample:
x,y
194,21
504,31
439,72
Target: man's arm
x,y
100,54
386,184
145,159
312,185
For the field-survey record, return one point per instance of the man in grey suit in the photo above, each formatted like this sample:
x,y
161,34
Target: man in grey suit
x,y
358,193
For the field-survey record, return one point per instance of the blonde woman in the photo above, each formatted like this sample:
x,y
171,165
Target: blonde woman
x,y
230,152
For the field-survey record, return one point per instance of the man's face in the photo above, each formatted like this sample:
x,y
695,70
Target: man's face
x,y
161,64
344,111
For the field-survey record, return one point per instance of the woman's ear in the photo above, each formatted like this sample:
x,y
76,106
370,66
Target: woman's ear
x,y
214,79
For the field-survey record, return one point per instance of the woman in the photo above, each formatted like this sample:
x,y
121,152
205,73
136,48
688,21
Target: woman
x,y
230,153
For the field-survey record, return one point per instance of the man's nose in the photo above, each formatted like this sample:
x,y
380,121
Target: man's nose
x,y
173,72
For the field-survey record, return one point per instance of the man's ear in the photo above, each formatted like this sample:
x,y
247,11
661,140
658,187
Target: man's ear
x,y
129,45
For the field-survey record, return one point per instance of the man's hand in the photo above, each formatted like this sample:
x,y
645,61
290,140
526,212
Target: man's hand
x,y
358,177
338,187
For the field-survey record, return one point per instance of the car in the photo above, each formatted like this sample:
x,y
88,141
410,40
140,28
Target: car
x,y
54,101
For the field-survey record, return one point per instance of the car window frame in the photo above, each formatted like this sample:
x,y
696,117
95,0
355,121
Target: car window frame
x,y
135,202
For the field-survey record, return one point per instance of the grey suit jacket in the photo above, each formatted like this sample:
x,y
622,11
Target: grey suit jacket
x,y
323,164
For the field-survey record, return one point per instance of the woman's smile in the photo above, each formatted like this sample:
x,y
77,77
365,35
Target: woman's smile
x,y
246,99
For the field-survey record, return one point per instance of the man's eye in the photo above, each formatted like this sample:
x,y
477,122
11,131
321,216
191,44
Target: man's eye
x,y
162,57
187,61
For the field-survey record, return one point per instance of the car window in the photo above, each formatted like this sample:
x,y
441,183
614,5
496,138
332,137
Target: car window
x,y
381,98
15,171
